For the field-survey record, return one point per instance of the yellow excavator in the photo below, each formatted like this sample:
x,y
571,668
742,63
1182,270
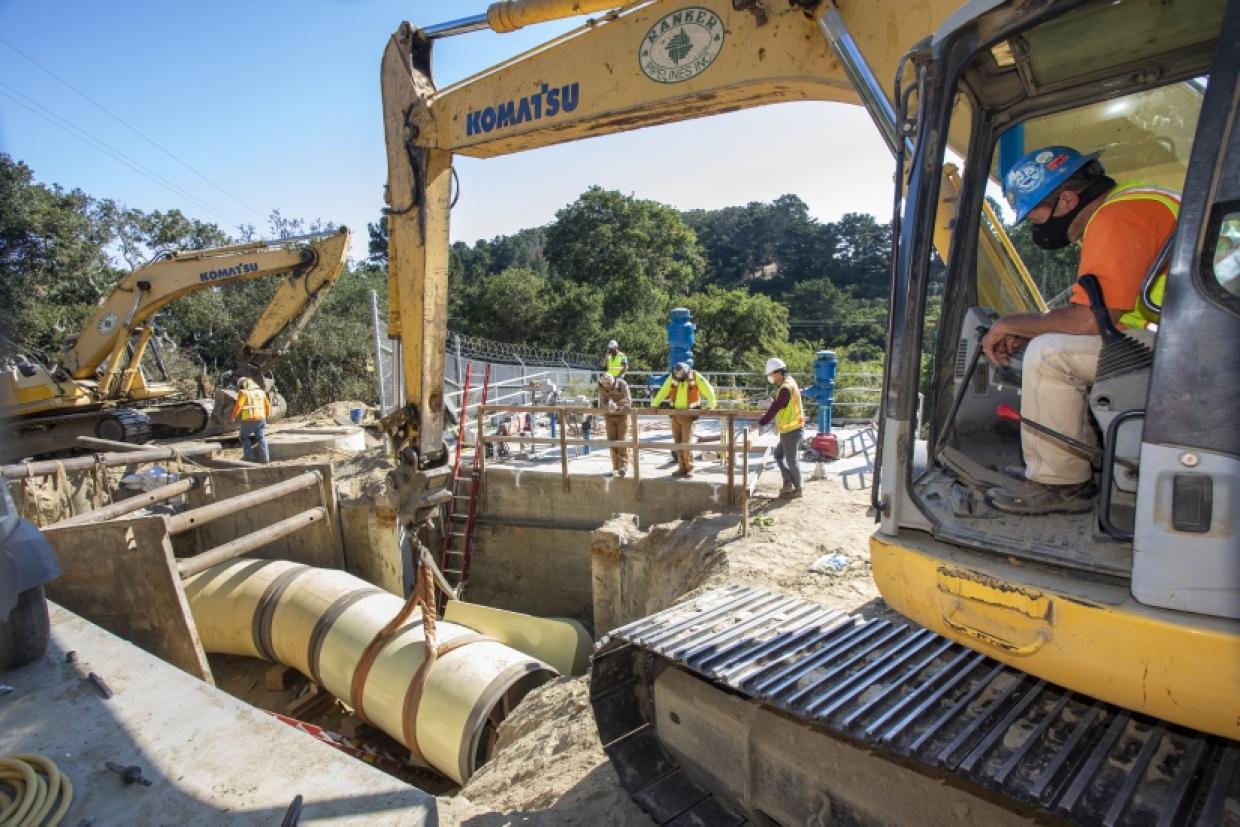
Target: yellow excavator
x,y
100,387
1076,668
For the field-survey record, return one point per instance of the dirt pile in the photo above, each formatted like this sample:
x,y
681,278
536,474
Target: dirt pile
x,y
549,768
334,413
786,538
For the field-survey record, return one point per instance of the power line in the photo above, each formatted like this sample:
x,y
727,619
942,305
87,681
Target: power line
x,y
133,129
68,126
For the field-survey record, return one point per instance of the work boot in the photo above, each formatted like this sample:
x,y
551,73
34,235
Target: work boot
x,y
794,494
1039,498
787,489
680,472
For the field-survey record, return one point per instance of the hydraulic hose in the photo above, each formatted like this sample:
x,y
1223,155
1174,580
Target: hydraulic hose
x,y
38,785
322,622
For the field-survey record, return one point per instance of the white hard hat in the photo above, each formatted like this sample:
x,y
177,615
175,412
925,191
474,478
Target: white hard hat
x,y
773,364
613,343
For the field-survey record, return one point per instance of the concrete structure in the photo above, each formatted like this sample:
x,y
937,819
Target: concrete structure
x,y
122,574
531,546
211,758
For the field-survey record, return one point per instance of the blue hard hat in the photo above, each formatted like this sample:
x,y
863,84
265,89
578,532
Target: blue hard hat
x,y
1034,177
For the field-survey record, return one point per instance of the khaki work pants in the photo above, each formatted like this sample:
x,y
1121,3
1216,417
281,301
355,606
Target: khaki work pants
x,y
682,433
617,429
1056,374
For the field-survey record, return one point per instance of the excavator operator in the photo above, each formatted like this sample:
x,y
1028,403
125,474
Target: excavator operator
x,y
1122,228
254,407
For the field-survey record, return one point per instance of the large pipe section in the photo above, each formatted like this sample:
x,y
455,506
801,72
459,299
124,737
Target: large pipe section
x,y
321,621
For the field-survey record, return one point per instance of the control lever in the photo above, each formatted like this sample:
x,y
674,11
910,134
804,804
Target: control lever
x,y
1012,415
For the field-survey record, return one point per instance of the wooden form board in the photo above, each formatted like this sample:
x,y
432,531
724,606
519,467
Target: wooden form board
x,y
317,544
122,576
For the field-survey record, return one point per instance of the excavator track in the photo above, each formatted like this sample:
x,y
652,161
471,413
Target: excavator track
x,y
906,694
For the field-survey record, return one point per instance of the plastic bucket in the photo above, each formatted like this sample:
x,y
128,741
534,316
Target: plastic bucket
x,y
356,414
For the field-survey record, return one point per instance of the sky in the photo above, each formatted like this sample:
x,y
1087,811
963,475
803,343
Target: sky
x,y
229,109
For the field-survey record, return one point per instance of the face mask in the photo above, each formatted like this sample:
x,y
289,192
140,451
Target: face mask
x,y
770,377
1052,234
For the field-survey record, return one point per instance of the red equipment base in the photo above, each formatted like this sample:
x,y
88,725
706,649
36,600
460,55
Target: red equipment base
x,y
826,446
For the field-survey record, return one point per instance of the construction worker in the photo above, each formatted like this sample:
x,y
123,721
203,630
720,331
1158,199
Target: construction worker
x,y
1068,197
613,394
254,408
683,390
615,362
789,417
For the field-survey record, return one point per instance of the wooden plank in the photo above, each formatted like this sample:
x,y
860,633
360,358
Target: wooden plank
x,y
731,458
637,466
122,576
745,486
563,447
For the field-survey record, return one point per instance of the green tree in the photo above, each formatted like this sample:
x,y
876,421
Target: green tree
x,y
510,306
736,328
53,263
631,248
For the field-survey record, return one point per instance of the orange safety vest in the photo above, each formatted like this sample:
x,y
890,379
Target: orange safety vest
x,y
254,405
1141,315
694,393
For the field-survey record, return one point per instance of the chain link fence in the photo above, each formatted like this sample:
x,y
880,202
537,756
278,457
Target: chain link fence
x,y
525,375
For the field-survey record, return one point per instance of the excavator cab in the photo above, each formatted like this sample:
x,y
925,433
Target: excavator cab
x,y
1136,602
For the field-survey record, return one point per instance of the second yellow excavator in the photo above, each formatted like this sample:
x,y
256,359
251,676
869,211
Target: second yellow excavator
x,y
100,387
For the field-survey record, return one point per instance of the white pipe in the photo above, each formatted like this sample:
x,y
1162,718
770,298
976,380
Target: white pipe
x,y
319,621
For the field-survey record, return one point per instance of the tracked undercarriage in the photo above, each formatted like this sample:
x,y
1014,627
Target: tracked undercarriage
x,y
780,699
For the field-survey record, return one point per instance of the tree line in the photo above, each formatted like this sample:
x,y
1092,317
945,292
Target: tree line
x,y
761,279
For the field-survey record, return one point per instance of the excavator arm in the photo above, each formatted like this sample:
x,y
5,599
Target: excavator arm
x,y
312,264
639,65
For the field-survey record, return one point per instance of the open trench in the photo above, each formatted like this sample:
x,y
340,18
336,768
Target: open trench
x,y
602,552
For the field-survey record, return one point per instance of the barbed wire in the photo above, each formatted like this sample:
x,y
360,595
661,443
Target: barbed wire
x,y
474,347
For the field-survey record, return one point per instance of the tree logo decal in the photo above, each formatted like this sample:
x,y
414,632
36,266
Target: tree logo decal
x,y
681,45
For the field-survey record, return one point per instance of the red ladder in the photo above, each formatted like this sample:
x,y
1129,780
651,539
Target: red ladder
x,y
455,560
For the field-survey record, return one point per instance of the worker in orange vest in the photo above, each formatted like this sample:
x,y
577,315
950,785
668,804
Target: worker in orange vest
x,y
684,389
254,408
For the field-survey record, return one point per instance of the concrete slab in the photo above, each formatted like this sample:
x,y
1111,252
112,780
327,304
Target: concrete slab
x,y
213,759
293,441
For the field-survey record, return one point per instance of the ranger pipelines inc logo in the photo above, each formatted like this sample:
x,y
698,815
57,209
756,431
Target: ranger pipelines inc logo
x,y
682,45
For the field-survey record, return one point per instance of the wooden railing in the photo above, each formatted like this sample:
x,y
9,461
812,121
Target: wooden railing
x,y
726,448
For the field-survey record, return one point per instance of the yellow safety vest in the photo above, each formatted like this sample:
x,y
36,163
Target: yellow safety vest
x,y
790,416
255,405
1142,315
615,364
